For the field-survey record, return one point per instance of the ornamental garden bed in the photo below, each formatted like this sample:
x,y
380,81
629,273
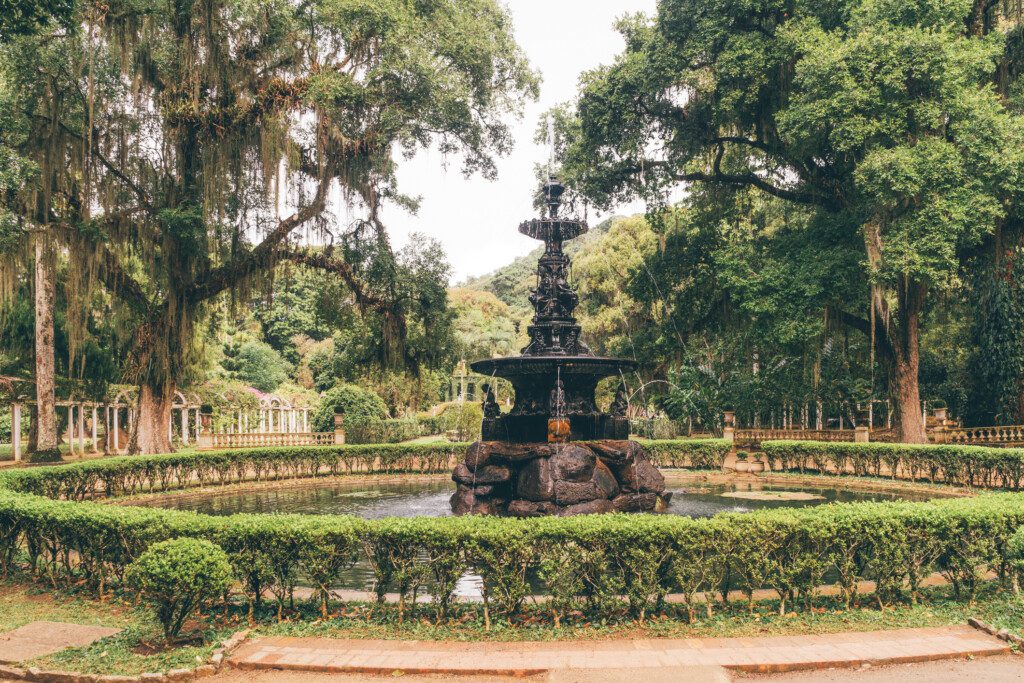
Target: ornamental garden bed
x,y
606,567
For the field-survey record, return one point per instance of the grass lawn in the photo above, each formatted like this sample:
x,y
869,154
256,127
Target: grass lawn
x,y
129,651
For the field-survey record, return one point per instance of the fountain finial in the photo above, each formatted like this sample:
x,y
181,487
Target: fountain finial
x,y
553,190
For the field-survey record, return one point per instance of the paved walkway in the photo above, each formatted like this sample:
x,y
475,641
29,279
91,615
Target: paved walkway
x,y
782,653
41,638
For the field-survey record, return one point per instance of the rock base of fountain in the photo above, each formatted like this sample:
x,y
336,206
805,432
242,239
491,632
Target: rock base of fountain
x,y
536,479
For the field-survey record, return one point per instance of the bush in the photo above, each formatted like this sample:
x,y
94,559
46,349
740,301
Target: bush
x,y
958,465
602,565
359,405
176,575
698,454
462,419
260,365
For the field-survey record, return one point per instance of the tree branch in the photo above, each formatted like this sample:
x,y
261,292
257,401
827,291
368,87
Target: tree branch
x,y
262,256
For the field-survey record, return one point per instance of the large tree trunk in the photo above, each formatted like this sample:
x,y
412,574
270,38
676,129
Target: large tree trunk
x,y
149,434
46,410
900,331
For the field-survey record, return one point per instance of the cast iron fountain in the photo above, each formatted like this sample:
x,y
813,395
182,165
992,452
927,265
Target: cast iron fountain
x,y
555,452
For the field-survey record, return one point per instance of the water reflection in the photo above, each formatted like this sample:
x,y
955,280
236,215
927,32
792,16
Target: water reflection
x,y
425,498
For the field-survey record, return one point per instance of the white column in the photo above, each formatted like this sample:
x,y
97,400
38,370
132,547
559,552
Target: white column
x,y
305,420
263,421
197,425
245,421
95,429
239,421
81,429
117,427
71,429
184,425
16,430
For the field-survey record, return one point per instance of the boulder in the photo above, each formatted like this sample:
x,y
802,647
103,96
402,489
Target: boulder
x,y
639,476
635,502
517,452
616,452
478,455
605,480
526,508
463,500
648,478
488,474
571,492
535,482
594,507
573,463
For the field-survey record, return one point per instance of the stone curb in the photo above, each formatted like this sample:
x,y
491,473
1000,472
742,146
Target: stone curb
x,y
1001,634
211,667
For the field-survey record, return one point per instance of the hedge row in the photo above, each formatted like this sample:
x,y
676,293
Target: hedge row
x,y
128,475
596,564
959,465
698,454
585,562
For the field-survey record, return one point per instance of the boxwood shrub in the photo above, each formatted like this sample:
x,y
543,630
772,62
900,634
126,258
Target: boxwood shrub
x,y
602,565
958,465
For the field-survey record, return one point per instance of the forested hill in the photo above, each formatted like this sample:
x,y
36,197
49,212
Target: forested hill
x,y
512,283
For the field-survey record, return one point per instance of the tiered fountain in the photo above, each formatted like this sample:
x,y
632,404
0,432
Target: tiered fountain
x,y
555,452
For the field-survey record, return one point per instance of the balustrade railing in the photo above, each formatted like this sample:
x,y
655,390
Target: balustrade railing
x,y
256,439
756,436
1006,435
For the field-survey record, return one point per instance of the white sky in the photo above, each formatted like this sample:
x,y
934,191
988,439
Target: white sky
x,y
476,219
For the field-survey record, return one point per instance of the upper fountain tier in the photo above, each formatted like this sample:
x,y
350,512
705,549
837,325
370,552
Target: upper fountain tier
x,y
556,350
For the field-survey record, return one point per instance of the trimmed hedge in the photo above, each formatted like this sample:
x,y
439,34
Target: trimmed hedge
x,y
585,562
959,465
127,475
698,454
601,565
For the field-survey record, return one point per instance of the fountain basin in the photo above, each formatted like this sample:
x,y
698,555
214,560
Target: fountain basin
x,y
533,377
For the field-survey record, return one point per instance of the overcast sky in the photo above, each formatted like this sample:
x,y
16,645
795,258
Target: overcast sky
x,y
476,219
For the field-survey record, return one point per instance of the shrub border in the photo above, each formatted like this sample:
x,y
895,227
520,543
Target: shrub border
x,y
587,563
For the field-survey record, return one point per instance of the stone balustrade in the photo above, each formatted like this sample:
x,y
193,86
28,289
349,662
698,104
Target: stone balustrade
x,y
1006,435
258,439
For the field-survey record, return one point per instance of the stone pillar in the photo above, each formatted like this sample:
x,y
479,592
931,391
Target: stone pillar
x,y
197,428
305,420
81,429
184,425
95,431
16,430
339,429
117,427
861,434
71,428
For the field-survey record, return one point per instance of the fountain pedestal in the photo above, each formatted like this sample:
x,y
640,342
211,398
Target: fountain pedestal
x,y
535,479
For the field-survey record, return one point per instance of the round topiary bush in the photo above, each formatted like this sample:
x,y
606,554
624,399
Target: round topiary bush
x,y
359,405
176,575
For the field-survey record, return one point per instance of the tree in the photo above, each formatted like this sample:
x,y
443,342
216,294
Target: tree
x,y
165,132
484,324
879,117
258,364
358,405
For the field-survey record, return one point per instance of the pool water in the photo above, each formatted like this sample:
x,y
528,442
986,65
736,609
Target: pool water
x,y
425,498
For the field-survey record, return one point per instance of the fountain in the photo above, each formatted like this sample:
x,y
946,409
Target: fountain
x,y
555,452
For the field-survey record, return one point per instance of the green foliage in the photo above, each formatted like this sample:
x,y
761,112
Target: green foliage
x,y
257,364
177,575
586,562
485,325
28,17
959,465
358,405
